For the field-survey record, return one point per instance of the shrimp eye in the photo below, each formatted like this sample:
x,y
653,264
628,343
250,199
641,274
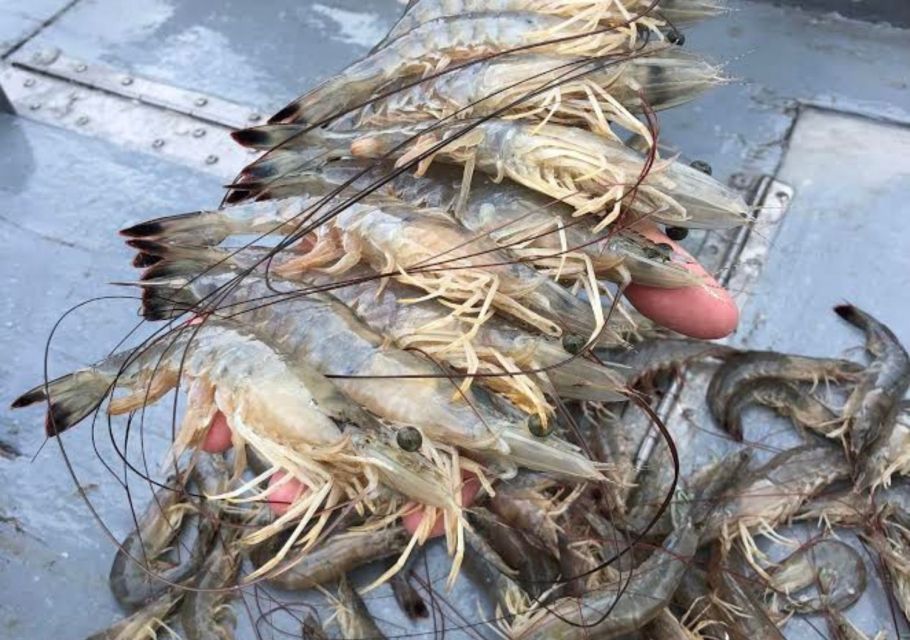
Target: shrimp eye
x,y
537,427
666,249
573,343
676,37
677,233
409,439
701,165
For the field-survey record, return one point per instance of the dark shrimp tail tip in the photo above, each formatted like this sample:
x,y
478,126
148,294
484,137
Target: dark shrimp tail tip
x,y
143,260
289,112
29,398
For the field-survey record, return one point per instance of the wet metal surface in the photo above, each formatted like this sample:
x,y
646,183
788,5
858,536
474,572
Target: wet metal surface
x,y
260,54
62,199
64,195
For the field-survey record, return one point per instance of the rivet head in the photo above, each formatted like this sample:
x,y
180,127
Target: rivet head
x,y
82,120
198,133
409,439
201,102
211,159
29,82
127,81
158,143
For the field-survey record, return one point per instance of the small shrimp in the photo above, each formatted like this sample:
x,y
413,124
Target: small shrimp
x,y
624,604
892,543
667,626
873,405
206,613
437,44
766,497
536,569
145,623
140,572
786,399
835,568
649,358
488,569
743,615
746,366
353,617
850,508
523,503
331,559
842,629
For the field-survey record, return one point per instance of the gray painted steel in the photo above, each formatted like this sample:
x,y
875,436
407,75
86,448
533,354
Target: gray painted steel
x,y
63,196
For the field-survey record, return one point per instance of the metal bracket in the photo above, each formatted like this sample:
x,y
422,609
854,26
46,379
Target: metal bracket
x,y
204,107
124,121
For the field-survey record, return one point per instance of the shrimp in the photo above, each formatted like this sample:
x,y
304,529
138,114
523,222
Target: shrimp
x,y
589,93
835,568
536,568
399,387
842,629
608,612
850,508
535,228
666,626
747,366
488,569
140,573
333,558
892,543
495,350
437,44
649,358
144,623
524,503
591,173
591,13
766,497
353,617
290,414
786,399
873,405
743,615
206,613
611,12
446,261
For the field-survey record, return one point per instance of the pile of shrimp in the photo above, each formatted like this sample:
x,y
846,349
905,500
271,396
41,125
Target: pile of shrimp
x,y
418,283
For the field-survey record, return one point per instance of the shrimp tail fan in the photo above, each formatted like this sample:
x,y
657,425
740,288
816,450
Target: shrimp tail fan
x,y
165,294
70,398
